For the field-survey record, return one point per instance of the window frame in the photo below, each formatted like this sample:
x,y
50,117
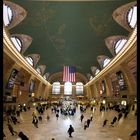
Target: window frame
x,y
66,84
96,72
44,76
17,41
38,68
80,85
106,59
129,21
118,44
56,85
28,58
8,16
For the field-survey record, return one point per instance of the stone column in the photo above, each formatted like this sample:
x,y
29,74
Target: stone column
x,y
98,87
47,91
74,91
37,82
39,89
129,80
62,90
43,91
23,93
108,86
88,92
8,65
92,91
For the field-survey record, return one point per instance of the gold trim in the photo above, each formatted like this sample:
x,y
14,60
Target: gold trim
x,y
18,58
128,47
74,0
10,49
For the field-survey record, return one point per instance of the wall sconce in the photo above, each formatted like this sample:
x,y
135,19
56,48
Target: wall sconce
x,y
20,92
101,91
104,101
123,103
33,94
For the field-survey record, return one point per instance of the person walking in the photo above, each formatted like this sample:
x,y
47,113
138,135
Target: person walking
x,y
4,135
114,120
40,118
70,131
35,121
82,117
85,125
12,131
88,122
18,113
48,117
133,134
23,136
105,122
125,114
91,117
119,116
57,115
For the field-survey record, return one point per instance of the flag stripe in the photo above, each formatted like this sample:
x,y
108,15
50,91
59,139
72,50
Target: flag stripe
x,y
69,73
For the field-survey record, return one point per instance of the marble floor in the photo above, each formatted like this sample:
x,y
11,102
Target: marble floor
x,y
58,128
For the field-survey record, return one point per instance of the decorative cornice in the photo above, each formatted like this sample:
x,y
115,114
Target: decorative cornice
x,y
129,48
120,15
19,14
11,51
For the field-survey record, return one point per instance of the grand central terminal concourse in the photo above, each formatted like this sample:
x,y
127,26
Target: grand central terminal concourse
x,y
69,70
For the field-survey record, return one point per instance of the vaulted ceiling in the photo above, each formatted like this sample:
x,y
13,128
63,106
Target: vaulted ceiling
x,y
69,33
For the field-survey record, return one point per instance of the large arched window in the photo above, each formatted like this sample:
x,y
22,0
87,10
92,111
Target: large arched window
x,y
106,61
119,45
30,60
56,88
7,15
16,41
79,88
38,70
68,88
132,16
97,71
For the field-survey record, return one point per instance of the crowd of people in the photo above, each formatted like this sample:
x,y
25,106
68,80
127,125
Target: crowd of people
x,y
12,116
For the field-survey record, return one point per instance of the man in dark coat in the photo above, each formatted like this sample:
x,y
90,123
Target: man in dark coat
x,y
105,122
70,130
11,129
85,125
114,120
82,117
88,122
40,118
134,133
35,121
119,116
57,115
23,136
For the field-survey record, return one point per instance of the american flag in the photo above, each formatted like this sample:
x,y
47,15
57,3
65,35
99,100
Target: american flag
x,y
69,73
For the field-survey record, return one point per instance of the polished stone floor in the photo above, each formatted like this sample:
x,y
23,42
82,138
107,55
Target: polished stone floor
x,y
58,128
